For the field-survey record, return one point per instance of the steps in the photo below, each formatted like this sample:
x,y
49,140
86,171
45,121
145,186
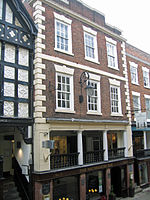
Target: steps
x,y
10,191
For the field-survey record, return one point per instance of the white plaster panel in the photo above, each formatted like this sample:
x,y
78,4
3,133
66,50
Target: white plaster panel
x,y
9,53
9,72
23,110
22,75
8,109
23,57
9,14
17,23
23,91
1,8
9,89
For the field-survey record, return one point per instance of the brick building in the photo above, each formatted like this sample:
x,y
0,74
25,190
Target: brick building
x,y
17,34
138,63
74,50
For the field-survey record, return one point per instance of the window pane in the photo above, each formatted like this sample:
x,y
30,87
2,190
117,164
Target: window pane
x,y
89,46
62,36
63,92
114,99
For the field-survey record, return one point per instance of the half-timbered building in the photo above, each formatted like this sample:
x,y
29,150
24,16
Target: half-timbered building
x,y
17,35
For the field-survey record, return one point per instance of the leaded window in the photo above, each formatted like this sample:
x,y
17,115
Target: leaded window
x,y
16,49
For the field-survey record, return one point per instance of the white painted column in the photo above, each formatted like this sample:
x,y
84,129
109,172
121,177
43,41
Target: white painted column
x,y
145,141
125,141
80,147
105,145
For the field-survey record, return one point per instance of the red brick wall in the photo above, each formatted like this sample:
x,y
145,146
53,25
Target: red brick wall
x,y
78,51
144,57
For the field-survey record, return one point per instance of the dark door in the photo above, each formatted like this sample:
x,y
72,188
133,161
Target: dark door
x,y
116,180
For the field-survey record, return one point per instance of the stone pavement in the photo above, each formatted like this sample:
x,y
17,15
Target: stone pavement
x,y
143,195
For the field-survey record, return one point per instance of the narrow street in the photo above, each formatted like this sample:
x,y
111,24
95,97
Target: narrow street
x,y
144,195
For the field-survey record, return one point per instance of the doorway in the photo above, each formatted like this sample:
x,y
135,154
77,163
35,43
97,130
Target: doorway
x,y
119,180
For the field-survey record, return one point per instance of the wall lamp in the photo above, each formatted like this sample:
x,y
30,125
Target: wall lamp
x,y
83,79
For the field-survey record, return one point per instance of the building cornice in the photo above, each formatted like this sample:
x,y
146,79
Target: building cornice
x,y
138,59
81,18
86,120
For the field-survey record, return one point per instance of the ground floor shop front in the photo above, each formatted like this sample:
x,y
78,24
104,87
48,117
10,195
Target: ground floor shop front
x,y
86,182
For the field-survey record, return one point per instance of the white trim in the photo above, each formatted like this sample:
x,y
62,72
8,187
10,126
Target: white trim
x,y
66,72
63,69
93,113
133,64
64,110
94,77
147,96
145,69
98,111
62,18
93,34
136,94
89,30
117,85
113,43
110,40
78,66
65,1
114,82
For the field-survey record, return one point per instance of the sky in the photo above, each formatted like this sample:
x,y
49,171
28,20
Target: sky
x,y
132,17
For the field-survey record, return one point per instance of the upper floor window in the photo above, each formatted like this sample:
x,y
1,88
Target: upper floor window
x,y
115,97
136,102
93,102
90,44
64,92
63,36
134,72
145,76
111,53
147,105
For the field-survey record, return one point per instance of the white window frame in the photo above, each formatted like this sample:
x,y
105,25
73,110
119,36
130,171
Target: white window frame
x,y
65,1
111,42
146,70
92,33
135,66
137,94
116,84
95,79
65,21
147,97
68,72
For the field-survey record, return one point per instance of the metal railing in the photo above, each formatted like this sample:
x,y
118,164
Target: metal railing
x,y
58,161
116,153
142,153
93,156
